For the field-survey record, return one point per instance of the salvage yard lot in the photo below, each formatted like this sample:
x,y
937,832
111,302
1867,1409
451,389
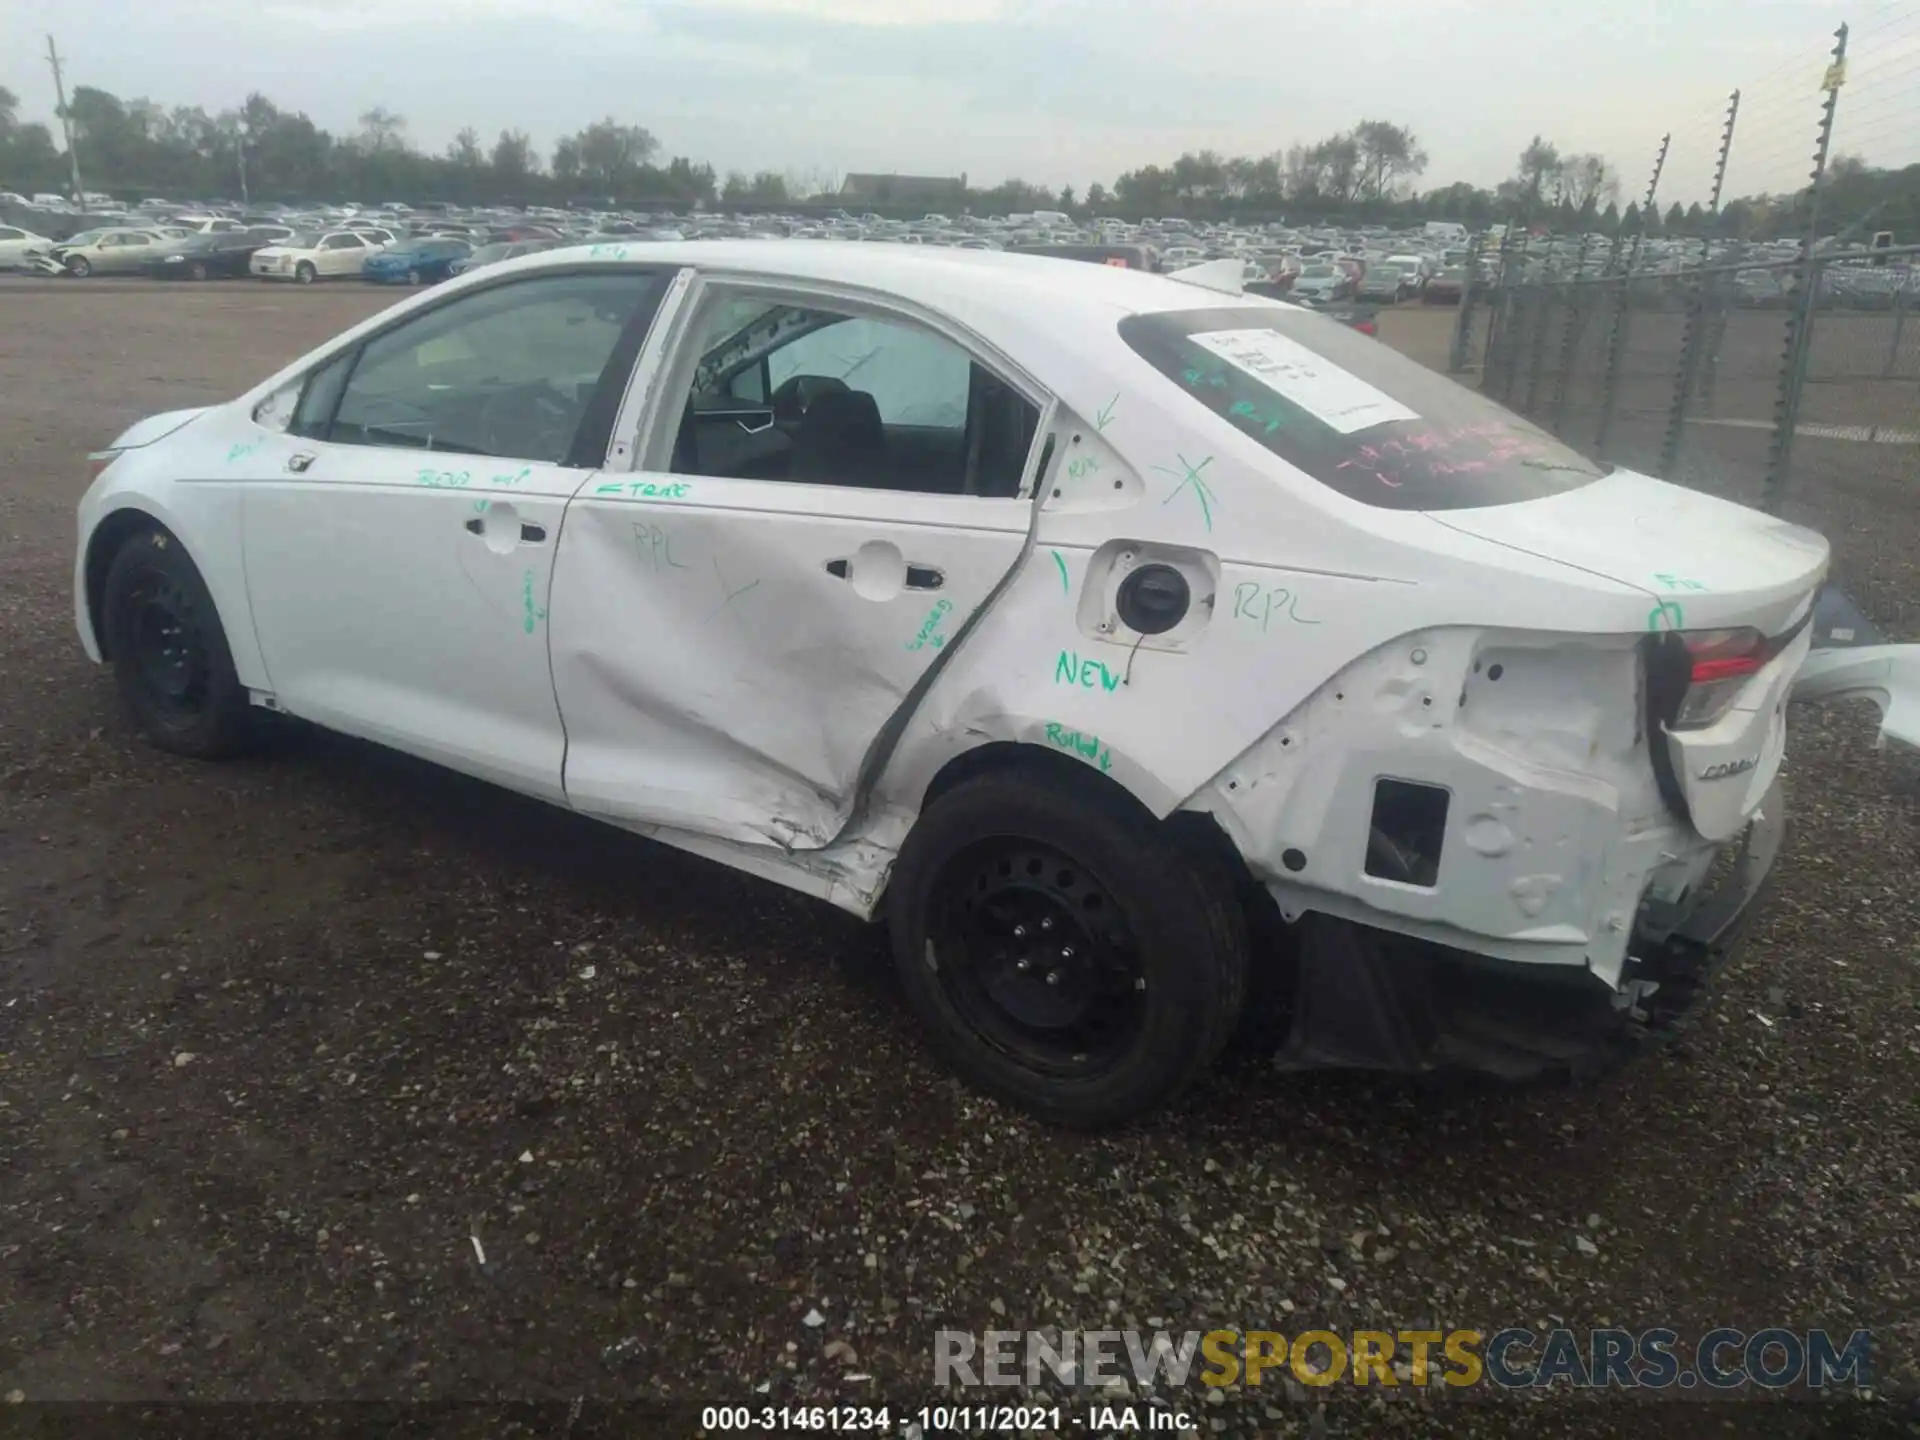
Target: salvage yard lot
x,y
279,1039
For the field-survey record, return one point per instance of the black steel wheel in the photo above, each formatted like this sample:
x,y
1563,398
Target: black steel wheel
x,y
1038,957
169,651
1062,951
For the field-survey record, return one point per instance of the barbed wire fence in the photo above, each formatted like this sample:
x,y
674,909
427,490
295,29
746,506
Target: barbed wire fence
x,y
1767,350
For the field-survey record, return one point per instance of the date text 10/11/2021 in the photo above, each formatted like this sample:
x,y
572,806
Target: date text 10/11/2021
x,y
1098,1417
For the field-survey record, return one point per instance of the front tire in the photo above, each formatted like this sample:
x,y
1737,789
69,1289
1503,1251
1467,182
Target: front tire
x,y
305,273
170,655
1062,951
414,277
198,271
79,267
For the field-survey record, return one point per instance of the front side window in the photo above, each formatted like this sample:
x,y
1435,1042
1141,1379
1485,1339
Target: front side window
x,y
510,371
804,393
1352,413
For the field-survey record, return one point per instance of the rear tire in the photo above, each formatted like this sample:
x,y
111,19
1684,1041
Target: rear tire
x,y
198,271
414,277
1063,951
170,655
305,273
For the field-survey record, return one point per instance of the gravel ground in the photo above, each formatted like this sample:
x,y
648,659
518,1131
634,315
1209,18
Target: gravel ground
x,y
288,1045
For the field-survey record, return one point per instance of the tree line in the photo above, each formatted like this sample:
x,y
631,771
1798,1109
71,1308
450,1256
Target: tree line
x,y
1369,174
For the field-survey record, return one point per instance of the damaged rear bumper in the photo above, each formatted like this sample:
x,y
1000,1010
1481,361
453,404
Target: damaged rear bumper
x,y
1368,999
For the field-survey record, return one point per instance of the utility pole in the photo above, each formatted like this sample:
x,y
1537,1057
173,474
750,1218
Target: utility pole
x,y
66,125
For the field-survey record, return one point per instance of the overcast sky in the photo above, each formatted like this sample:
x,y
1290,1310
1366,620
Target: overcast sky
x,y
1054,91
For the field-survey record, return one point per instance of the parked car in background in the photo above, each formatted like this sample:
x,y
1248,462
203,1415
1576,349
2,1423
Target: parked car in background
x,y
315,255
500,250
1418,267
415,262
1446,287
18,246
1760,287
1321,283
209,224
101,252
211,255
1390,283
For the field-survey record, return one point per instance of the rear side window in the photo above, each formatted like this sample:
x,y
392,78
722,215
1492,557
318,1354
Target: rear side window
x,y
1352,413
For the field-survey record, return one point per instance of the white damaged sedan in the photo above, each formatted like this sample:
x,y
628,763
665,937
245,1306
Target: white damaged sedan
x,y
1125,642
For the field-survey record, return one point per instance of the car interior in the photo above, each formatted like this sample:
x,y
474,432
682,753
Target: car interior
x,y
818,397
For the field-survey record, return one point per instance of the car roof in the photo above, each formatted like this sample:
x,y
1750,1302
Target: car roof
x,y
939,278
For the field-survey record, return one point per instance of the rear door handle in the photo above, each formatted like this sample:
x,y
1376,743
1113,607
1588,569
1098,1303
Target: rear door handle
x,y
919,577
530,533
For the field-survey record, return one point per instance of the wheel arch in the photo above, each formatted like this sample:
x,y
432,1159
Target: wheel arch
x,y
113,531
997,756
1198,828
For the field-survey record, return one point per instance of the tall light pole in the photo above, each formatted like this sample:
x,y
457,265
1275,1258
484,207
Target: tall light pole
x,y
66,125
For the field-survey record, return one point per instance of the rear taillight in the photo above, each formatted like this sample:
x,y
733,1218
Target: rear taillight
x,y
1720,664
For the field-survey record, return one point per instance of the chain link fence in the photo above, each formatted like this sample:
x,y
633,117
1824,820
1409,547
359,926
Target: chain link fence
x,y
1782,373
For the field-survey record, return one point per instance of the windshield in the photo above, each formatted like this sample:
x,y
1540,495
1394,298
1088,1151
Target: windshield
x,y
85,237
1352,413
486,254
1316,272
305,240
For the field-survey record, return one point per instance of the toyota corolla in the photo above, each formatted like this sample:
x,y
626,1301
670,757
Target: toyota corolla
x,y
1121,640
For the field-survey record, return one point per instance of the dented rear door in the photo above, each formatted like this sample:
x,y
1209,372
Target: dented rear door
x,y
725,651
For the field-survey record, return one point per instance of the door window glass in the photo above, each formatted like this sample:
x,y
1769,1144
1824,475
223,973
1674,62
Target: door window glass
x,y
796,392
508,371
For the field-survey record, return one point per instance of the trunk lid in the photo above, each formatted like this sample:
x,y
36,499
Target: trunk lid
x,y
1704,563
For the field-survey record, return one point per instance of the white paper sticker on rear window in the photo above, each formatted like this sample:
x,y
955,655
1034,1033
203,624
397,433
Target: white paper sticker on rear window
x,y
1328,393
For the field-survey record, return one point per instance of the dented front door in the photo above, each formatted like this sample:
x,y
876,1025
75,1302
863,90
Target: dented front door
x,y
725,651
